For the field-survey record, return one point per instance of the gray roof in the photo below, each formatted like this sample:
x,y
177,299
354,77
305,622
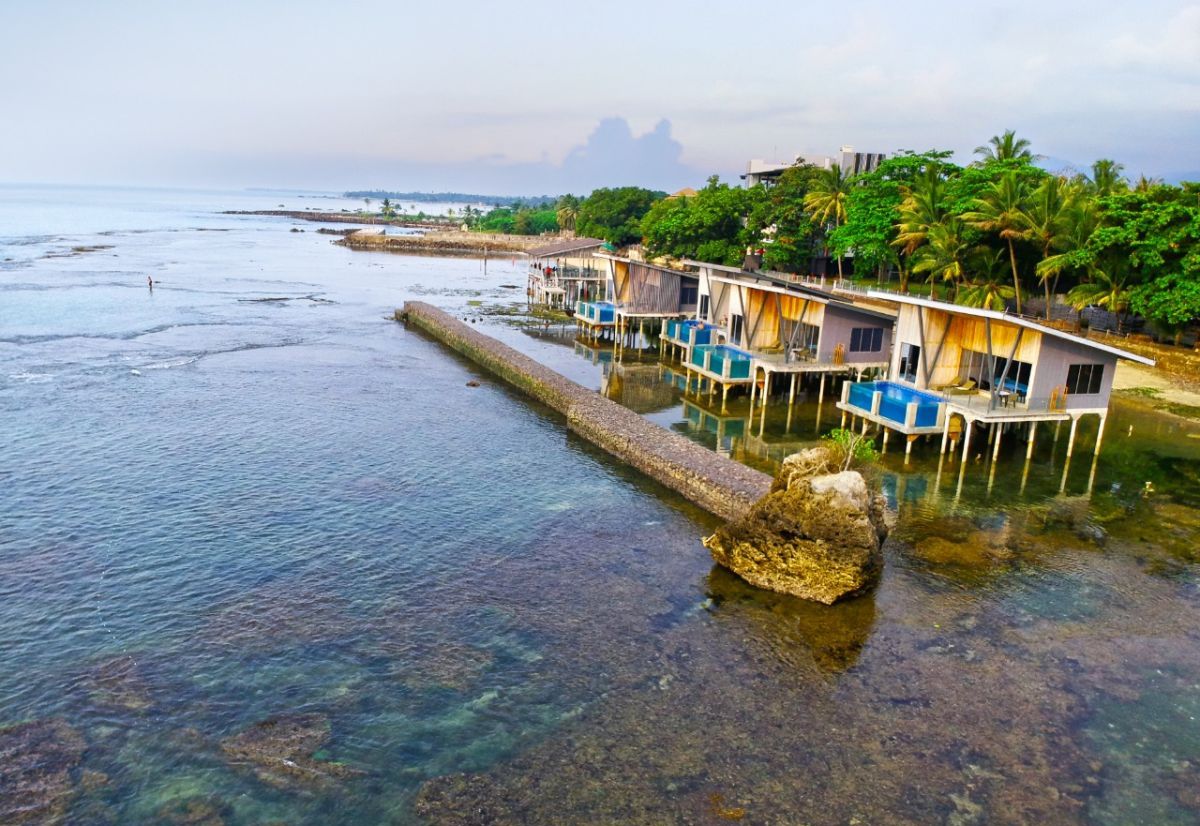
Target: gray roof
x,y
564,247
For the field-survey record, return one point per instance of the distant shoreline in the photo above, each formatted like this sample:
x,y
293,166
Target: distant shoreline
x,y
345,218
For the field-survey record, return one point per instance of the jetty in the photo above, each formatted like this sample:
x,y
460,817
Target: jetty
x,y
716,483
450,242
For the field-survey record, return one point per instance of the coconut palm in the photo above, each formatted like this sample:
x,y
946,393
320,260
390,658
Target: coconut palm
x,y
1107,286
944,254
988,287
1006,147
1045,219
567,216
1001,210
1080,220
924,206
1145,184
826,199
1106,177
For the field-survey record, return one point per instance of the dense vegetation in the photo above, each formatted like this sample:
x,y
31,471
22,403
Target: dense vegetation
x,y
990,234
993,233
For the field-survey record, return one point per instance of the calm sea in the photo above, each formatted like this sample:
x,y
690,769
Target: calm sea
x,y
266,557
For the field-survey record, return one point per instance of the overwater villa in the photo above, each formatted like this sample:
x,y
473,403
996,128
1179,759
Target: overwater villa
x,y
954,367
565,272
751,326
646,295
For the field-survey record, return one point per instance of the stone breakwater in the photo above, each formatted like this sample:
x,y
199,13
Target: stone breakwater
x,y
721,486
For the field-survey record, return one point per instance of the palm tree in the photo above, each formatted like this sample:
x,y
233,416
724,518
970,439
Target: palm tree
x,y
945,253
923,207
988,288
1045,221
567,216
1000,210
826,200
1080,220
1006,147
1106,177
1107,286
1145,184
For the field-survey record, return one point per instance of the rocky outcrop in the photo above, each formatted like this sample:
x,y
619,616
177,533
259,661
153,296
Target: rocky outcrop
x,y
816,535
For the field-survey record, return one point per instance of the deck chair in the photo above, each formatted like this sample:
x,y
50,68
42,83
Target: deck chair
x,y
966,387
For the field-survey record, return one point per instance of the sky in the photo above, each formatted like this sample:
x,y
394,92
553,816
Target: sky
x,y
542,98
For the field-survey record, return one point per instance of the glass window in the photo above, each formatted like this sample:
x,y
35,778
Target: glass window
x,y
703,313
1084,379
735,329
866,339
910,354
687,292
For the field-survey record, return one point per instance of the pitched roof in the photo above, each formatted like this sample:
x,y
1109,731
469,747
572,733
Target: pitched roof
x,y
565,246
995,315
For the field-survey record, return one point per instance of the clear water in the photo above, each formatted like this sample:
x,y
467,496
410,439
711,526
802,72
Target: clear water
x,y
218,510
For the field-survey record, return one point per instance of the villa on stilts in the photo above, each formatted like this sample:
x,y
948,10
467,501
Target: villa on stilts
x,y
565,272
752,328
645,298
955,369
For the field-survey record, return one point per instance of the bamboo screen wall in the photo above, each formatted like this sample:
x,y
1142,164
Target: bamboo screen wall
x,y
646,289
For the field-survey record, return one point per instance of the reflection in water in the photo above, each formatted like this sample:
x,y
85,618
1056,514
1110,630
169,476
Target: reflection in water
x,y
833,635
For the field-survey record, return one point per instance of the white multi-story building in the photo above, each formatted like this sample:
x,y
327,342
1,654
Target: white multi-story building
x,y
760,171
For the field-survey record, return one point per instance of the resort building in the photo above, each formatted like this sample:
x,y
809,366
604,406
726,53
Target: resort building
x,y
954,367
764,172
643,295
565,272
751,326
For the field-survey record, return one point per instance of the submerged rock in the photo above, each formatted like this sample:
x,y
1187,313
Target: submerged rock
x,y
197,810
280,752
36,764
816,535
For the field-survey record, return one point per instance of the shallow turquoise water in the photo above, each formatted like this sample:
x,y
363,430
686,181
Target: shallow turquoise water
x,y
217,511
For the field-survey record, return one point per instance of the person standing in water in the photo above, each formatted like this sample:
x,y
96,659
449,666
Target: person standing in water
x,y
150,282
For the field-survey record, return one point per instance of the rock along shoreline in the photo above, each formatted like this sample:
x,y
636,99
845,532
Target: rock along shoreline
x,y
717,484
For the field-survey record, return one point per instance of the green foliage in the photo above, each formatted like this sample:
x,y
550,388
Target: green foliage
x,y
852,449
779,221
616,214
709,226
518,220
873,209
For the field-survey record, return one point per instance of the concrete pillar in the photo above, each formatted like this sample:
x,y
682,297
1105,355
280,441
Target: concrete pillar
x,y
821,393
945,434
886,432
1030,445
724,396
966,441
1099,435
908,447
999,435
843,424
792,391
1071,437
753,387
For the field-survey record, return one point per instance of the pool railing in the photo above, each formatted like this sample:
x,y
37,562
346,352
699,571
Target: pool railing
x,y
916,410
722,360
596,312
689,332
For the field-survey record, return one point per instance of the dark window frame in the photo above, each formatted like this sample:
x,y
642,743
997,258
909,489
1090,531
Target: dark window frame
x,y
1085,379
873,343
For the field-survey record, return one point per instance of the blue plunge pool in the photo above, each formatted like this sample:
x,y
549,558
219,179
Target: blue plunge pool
x,y
894,401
